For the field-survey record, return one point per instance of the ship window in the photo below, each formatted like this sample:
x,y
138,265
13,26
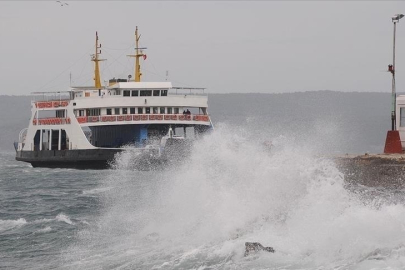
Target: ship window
x,y
176,110
93,112
169,110
162,110
81,112
109,112
402,117
146,93
132,110
124,110
140,110
118,92
164,93
116,110
127,93
147,110
60,113
134,93
156,93
155,110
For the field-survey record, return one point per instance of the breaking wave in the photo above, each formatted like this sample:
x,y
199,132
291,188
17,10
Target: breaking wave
x,y
230,190
6,225
64,218
11,224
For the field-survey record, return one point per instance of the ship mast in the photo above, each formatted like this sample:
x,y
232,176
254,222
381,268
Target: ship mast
x,y
95,59
137,55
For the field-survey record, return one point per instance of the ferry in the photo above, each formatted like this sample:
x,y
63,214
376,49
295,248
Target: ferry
x,y
85,127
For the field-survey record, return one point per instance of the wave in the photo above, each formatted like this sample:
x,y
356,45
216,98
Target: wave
x,y
95,191
64,218
44,230
60,218
6,225
13,224
232,190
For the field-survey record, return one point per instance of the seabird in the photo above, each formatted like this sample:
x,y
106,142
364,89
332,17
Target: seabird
x,y
62,4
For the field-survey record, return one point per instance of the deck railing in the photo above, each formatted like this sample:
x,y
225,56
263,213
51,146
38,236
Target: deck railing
x,y
143,117
187,91
121,118
51,121
51,104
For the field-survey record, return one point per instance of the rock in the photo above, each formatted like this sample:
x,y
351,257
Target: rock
x,y
253,247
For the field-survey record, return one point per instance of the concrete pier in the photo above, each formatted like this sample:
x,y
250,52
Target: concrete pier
x,y
385,170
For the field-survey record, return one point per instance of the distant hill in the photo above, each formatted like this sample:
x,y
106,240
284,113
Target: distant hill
x,y
340,122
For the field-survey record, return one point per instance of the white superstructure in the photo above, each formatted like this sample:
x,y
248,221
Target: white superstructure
x,y
104,110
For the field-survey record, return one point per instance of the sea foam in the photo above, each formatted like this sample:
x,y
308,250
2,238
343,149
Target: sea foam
x,y
231,190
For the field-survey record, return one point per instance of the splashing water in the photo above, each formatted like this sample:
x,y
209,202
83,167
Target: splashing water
x,y
230,190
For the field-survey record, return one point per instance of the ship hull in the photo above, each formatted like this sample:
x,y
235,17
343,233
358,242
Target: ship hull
x,y
76,159
141,159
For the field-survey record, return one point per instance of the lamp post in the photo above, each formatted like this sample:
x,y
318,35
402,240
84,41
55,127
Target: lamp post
x,y
393,143
391,68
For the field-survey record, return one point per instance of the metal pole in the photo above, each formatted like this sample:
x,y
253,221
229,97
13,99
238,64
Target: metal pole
x,y
50,140
393,126
60,140
40,140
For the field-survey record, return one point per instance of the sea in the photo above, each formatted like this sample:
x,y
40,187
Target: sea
x,y
231,189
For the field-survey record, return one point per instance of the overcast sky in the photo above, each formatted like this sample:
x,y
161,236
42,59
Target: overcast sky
x,y
228,47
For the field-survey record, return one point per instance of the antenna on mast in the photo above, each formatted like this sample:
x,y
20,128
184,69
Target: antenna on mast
x,y
95,59
138,53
